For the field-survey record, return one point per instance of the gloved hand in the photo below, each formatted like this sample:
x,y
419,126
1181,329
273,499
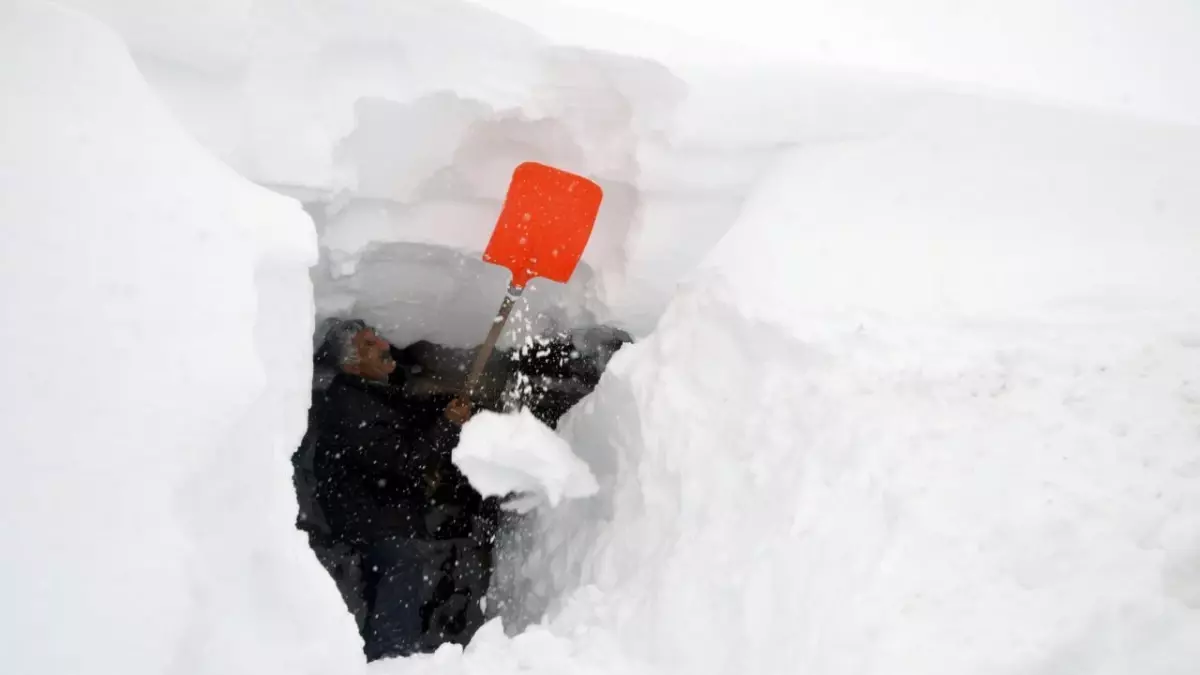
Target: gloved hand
x,y
459,411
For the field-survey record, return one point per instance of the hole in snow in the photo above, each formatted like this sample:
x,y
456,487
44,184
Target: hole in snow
x,y
416,186
401,251
351,513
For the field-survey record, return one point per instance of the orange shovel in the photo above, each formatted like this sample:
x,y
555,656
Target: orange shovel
x,y
543,228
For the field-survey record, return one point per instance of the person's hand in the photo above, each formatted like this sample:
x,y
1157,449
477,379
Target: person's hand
x,y
459,411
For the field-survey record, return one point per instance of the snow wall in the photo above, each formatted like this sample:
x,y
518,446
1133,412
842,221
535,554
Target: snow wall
x,y
399,123
930,406
155,329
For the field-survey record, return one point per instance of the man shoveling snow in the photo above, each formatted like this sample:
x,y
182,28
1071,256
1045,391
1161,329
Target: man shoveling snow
x,y
381,476
386,489
382,499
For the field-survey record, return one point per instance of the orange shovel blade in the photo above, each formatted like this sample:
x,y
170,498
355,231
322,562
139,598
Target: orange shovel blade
x,y
545,223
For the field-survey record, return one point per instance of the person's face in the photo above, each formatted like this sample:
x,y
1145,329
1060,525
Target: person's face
x,y
374,356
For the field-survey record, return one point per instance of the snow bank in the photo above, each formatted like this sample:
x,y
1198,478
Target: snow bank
x,y
517,453
399,122
153,339
931,406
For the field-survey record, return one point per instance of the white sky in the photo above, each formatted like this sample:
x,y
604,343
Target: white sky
x,y
1140,57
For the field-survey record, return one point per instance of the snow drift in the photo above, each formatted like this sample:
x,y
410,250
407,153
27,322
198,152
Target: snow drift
x,y
949,427
154,331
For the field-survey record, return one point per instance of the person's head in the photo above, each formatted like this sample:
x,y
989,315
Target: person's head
x,y
355,348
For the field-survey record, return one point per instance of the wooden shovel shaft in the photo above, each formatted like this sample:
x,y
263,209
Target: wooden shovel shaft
x,y
489,345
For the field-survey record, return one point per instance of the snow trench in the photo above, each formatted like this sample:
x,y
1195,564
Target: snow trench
x,y
916,386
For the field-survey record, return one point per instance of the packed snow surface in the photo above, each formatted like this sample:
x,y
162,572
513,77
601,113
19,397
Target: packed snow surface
x,y
918,389
516,453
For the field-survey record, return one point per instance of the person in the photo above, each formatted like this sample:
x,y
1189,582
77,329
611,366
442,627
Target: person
x,y
384,488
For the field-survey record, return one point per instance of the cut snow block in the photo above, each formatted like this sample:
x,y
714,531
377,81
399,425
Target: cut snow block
x,y
516,453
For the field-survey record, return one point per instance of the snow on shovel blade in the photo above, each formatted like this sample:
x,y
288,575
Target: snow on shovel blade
x,y
545,223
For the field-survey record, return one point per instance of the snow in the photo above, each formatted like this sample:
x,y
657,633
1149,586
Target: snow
x,y
918,380
535,650
153,332
1132,57
930,497
515,452
399,122
930,406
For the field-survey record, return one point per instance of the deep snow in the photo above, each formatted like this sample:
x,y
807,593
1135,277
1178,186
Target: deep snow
x,y
926,401
949,428
153,332
398,123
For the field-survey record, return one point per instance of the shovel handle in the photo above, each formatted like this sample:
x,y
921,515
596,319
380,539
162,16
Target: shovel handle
x,y
489,345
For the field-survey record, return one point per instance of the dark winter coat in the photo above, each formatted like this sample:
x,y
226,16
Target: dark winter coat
x,y
383,469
